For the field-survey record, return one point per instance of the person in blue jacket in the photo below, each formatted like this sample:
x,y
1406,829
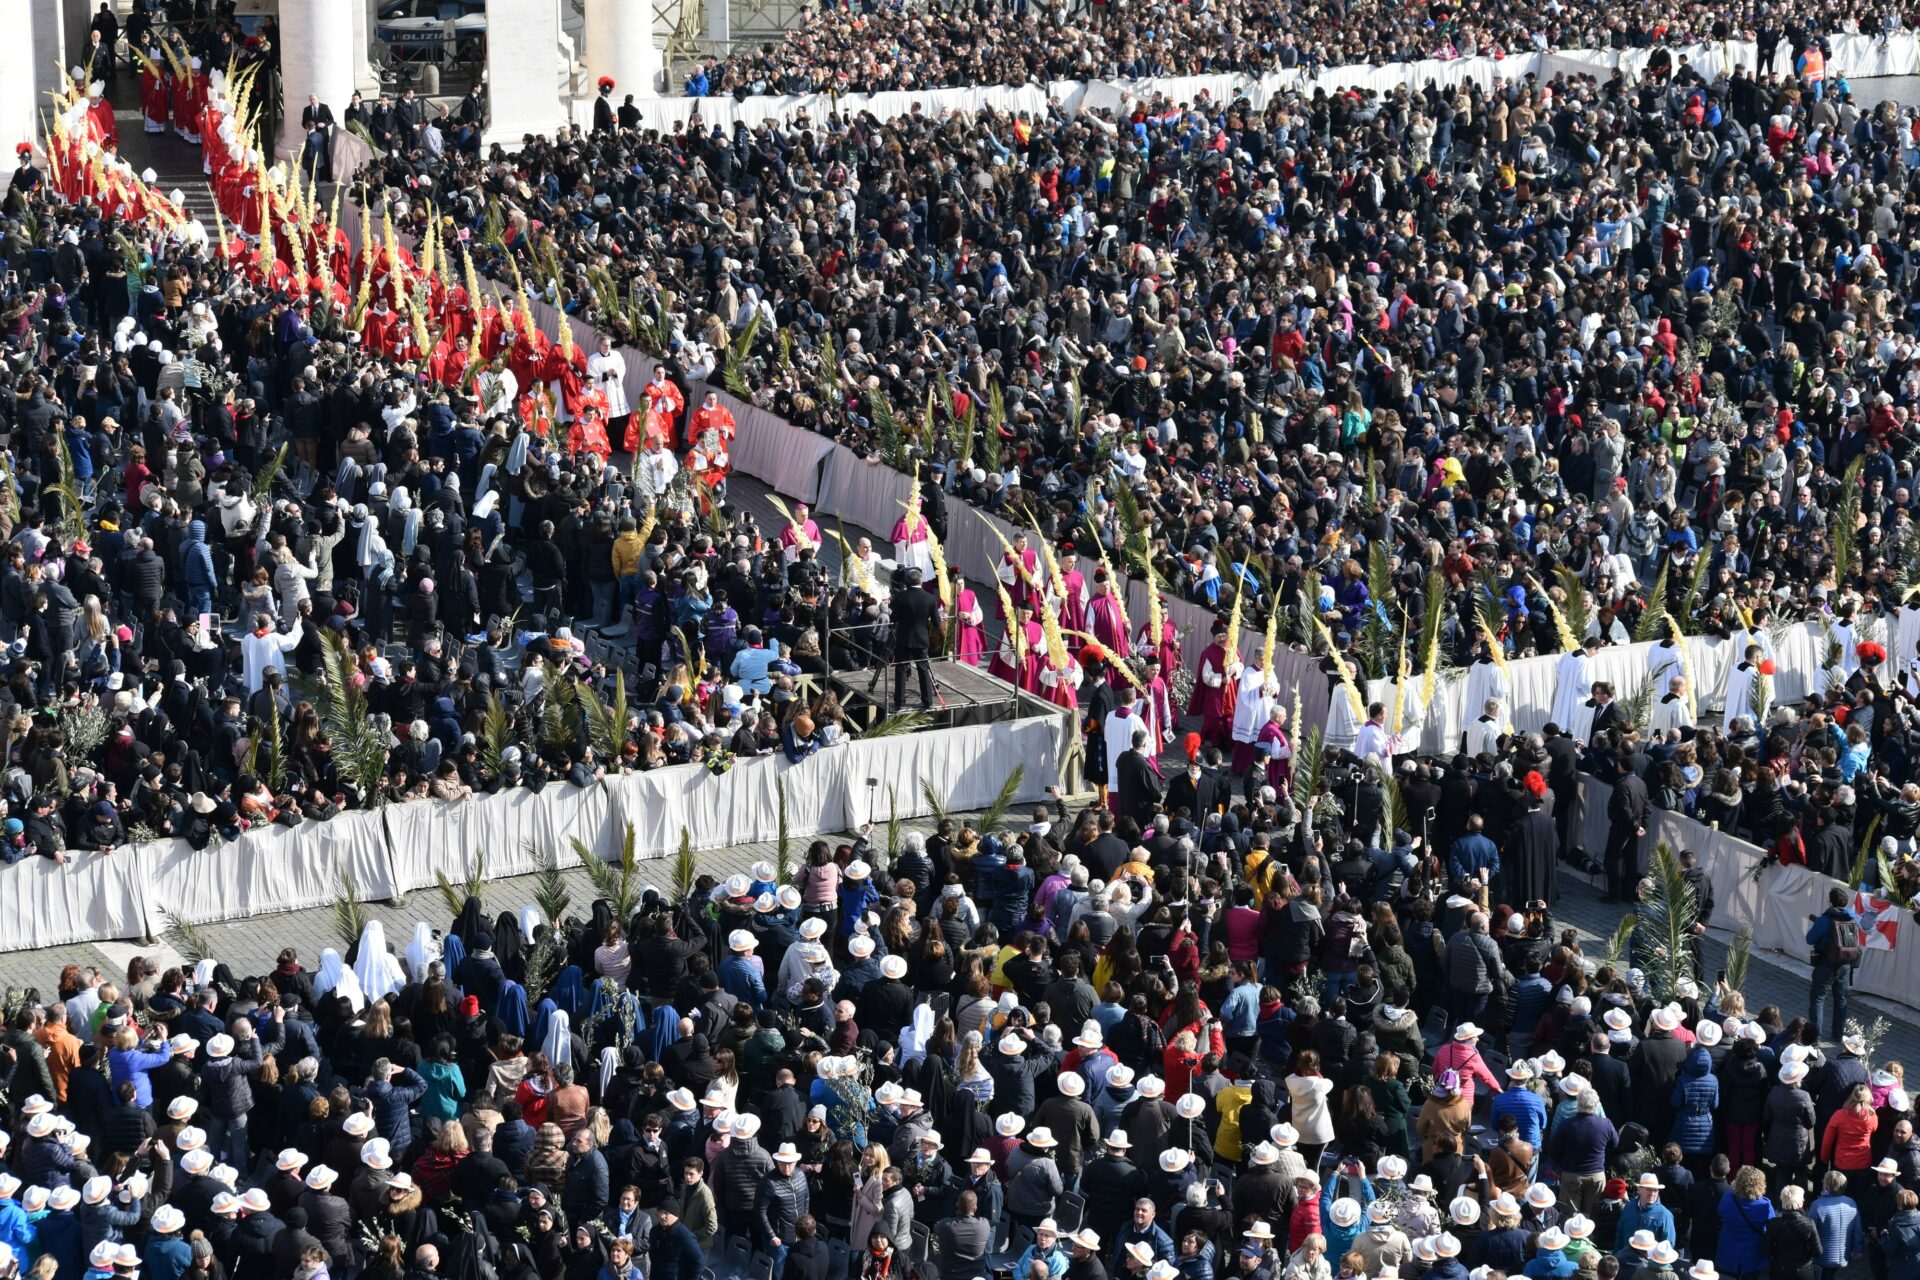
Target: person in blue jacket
x,y
1644,1213
1745,1212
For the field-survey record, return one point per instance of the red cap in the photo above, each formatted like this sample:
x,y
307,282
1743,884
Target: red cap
x,y
470,1006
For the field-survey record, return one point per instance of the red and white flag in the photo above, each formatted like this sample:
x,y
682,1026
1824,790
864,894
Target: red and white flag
x,y
1879,921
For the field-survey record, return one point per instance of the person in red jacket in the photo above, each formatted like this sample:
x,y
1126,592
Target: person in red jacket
x,y
1304,1221
1847,1143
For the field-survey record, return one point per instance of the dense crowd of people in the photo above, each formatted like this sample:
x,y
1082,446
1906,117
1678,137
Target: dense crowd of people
x,y
1269,1012
872,48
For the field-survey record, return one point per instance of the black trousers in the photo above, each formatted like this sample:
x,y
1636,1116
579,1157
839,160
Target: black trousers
x,y
917,655
1623,860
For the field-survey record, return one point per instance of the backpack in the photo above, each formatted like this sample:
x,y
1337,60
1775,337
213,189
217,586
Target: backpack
x,y
1843,943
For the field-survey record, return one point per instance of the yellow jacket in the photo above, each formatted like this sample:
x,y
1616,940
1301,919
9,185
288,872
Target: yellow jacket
x,y
626,554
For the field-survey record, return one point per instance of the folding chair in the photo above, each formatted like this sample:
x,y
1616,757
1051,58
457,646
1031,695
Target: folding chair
x,y
760,1267
839,1258
1435,1032
922,1244
1069,1211
733,1263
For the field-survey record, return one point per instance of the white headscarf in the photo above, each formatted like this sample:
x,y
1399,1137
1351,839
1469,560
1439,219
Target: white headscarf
x,y
331,968
422,951
559,1045
609,1064
379,973
203,973
529,921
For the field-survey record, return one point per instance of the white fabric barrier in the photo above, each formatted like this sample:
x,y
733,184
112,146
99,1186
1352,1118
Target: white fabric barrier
x,y
519,832
95,896
270,869
1776,907
1799,656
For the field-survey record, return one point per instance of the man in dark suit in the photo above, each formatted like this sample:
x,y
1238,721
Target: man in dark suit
x,y
1140,787
1563,779
1606,713
915,612
316,122
1196,789
1627,823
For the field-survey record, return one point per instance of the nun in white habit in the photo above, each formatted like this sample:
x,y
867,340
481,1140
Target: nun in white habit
x,y
422,951
559,1042
336,979
379,973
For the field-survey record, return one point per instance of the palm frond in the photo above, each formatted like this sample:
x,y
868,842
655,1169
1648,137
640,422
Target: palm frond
x,y
550,891
1578,616
899,724
349,912
1134,544
893,821
559,719
738,350
936,803
544,962
1622,935
1666,944
996,812
1739,955
1308,759
1759,698
685,870
269,471
1845,523
963,451
359,748
826,393
617,882
1690,603
1858,875
1650,624
190,940
456,895
495,731
277,762
1640,705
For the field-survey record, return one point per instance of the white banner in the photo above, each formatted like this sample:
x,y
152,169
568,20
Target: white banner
x,y
271,869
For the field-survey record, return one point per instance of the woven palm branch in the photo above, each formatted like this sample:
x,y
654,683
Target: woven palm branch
x,y
963,451
783,836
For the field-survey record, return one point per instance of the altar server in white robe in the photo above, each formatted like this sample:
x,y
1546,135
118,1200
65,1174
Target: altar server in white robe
x,y
1486,681
1483,734
1663,659
1673,709
1740,682
1573,682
